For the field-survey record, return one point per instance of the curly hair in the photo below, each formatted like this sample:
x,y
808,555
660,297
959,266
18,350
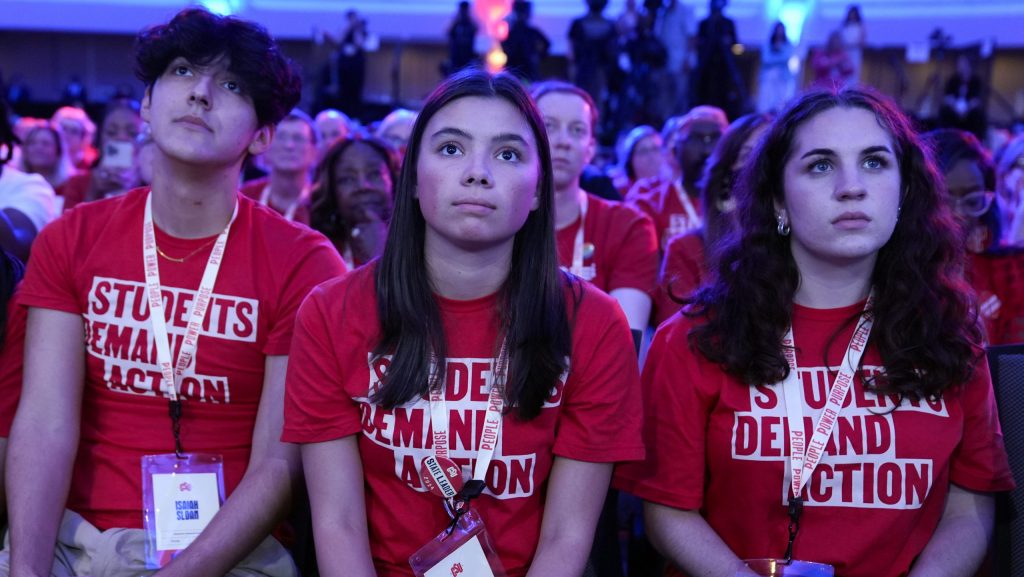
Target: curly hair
x,y
202,38
324,214
926,328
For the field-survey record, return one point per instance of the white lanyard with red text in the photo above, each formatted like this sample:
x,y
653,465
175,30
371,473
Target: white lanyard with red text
x,y
684,199
438,468
181,492
171,372
579,246
288,214
803,455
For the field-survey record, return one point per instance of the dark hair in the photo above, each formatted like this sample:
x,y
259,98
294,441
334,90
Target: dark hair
x,y
202,38
8,140
11,271
542,89
719,180
951,146
324,214
926,329
532,308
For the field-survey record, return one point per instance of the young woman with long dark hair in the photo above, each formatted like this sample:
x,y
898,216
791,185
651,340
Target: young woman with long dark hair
x,y
465,319
775,438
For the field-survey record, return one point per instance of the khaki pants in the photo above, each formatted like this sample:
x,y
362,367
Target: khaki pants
x,y
83,550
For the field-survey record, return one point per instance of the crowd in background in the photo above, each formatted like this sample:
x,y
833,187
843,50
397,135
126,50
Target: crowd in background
x,y
650,133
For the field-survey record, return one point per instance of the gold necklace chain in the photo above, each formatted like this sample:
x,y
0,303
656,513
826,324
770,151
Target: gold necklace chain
x,y
187,256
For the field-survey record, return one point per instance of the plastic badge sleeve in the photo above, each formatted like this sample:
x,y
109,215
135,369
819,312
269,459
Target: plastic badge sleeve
x,y
467,551
180,495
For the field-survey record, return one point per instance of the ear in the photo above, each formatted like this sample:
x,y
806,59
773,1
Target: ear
x,y
261,140
147,101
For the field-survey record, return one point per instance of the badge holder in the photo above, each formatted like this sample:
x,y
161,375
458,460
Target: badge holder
x,y
463,548
180,495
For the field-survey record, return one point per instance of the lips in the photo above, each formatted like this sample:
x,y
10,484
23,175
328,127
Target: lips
x,y
193,120
474,202
851,217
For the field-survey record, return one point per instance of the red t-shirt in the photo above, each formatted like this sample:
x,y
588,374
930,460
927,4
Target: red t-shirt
x,y
625,253
998,279
12,352
876,496
89,263
594,416
660,200
682,271
254,189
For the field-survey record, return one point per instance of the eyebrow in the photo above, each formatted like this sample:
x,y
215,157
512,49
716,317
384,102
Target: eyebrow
x,y
458,132
830,152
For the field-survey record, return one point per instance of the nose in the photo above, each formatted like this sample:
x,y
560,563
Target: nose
x,y
850,185
478,172
200,92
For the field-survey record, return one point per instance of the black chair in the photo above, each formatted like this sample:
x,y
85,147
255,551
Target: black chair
x,y
1007,365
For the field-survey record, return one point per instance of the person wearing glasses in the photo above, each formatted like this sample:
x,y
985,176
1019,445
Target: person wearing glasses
x,y
996,270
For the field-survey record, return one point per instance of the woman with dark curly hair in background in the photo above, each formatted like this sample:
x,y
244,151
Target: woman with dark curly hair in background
x,y
776,438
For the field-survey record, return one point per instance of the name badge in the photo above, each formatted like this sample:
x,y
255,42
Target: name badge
x,y
463,549
180,495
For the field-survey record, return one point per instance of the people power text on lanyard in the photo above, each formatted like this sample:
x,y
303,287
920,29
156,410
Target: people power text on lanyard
x,y
579,248
456,501
804,455
171,371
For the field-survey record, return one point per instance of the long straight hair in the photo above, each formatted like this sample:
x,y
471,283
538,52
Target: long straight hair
x,y
532,310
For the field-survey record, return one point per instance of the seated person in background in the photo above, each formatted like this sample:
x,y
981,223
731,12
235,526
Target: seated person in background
x,y
688,255
44,152
837,309
1010,190
396,128
962,103
12,350
142,394
27,201
996,271
331,125
353,197
607,243
675,205
290,158
78,130
640,157
114,172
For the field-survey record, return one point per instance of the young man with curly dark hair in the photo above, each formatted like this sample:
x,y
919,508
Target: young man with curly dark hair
x,y
186,293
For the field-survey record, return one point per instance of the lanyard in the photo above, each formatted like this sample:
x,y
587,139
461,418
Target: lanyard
x,y
490,435
684,199
290,213
171,371
577,247
803,455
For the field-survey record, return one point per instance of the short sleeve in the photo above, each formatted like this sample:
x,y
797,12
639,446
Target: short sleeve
x,y
319,263
601,417
636,264
681,273
316,407
678,401
980,462
49,281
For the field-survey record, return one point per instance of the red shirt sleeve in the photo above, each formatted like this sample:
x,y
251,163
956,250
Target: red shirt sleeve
x,y
679,393
980,462
601,416
12,353
636,263
313,262
316,407
681,273
49,281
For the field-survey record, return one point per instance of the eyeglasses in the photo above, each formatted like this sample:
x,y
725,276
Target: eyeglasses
x,y
974,203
